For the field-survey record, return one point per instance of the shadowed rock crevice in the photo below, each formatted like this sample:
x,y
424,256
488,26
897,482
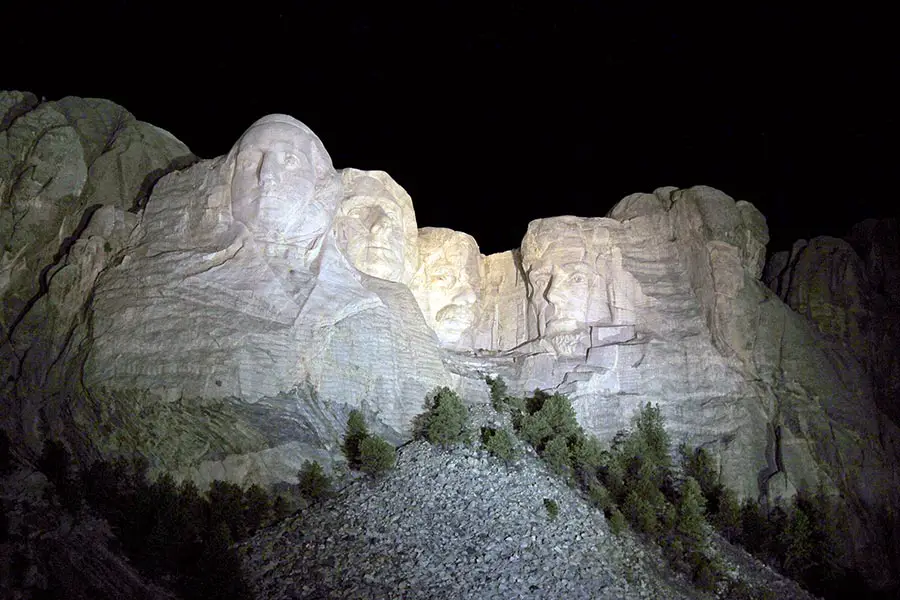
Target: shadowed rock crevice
x,y
45,273
143,195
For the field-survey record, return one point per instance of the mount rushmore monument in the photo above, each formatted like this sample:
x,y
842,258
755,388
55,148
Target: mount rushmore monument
x,y
222,317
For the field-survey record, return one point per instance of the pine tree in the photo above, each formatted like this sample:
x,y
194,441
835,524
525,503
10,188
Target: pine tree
x,y
754,527
616,521
641,513
162,543
652,437
701,465
556,454
498,392
499,443
356,433
554,418
587,459
728,518
689,519
257,508
444,422
376,456
226,506
219,569
797,543
314,483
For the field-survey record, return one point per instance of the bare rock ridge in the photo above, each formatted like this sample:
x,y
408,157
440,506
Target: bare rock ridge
x,y
850,289
223,316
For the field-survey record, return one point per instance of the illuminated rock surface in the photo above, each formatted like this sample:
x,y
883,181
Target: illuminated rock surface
x,y
224,318
447,284
376,226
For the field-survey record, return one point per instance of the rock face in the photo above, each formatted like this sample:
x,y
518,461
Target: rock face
x,y
225,326
235,291
376,226
850,289
59,161
73,176
847,289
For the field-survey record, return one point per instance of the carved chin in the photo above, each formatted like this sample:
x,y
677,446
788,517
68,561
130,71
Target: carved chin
x,y
453,321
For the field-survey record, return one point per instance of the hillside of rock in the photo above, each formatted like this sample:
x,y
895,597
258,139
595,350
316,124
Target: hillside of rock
x,y
462,524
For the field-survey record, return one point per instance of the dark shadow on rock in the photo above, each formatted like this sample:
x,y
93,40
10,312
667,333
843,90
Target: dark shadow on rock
x,y
143,195
43,281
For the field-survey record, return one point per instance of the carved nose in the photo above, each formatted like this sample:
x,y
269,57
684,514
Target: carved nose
x,y
380,225
268,170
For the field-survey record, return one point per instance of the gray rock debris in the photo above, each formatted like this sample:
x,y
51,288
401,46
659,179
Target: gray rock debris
x,y
453,524
457,524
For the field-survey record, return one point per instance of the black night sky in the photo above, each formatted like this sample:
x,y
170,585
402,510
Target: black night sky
x,y
492,117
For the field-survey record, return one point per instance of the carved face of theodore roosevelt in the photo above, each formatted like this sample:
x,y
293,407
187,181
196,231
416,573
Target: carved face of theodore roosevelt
x,y
278,165
376,226
448,282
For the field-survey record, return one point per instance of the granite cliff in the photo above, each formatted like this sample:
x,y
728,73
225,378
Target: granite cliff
x,y
221,317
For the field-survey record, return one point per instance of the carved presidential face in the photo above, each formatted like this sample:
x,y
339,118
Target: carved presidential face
x,y
274,182
566,289
376,226
448,282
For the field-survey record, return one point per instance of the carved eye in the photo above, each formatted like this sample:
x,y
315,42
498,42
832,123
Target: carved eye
x,y
291,161
578,278
444,279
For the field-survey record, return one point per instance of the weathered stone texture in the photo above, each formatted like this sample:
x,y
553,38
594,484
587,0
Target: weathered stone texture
x,y
225,318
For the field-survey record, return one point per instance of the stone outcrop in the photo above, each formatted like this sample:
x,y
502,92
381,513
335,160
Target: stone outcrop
x,y
230,294
447,284
847,290
73,175
60,161
225,325
850,290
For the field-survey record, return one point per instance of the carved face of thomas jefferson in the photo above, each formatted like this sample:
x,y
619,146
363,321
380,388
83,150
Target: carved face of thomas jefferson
x,y
278,164
376,226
